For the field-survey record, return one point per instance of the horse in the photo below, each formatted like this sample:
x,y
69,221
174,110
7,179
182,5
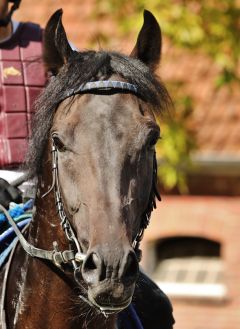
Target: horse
x,y
93,151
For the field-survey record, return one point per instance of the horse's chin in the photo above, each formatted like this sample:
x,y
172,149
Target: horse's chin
x,y
110,308
99,296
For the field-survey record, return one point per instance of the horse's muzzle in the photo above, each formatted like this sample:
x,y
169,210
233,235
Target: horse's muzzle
x,y
110,279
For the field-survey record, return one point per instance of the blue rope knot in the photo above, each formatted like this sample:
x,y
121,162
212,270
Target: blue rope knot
x,y
17,211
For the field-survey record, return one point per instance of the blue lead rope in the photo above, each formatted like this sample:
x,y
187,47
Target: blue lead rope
x,y
8,239
17,211
128,319
9,234
4,255
22,215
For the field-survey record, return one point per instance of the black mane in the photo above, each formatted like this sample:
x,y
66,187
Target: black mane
x,y
84,67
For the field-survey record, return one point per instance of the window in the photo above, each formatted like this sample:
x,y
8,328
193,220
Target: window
x,y
190,268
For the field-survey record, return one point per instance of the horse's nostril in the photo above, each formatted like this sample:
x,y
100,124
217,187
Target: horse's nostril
x,y
131,268
91,262
92,268
95,269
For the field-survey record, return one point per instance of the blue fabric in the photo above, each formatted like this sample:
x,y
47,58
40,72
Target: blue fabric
x,y
128,319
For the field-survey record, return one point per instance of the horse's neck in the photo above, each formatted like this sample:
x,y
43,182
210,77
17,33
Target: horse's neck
x,y
38,296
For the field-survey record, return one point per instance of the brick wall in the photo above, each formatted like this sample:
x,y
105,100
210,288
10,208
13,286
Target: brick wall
x,y
78,18
214,218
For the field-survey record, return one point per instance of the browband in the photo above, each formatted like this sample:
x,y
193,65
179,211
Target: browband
x,y
104,85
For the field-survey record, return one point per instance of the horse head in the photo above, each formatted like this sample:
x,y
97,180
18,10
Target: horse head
x,y
101,109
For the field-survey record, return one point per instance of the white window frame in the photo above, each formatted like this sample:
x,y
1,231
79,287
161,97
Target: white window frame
x,y
190,287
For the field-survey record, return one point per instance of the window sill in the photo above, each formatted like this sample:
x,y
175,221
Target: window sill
x,y
213,292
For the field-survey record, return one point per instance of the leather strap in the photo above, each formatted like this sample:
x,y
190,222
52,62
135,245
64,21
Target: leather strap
x,y
55,256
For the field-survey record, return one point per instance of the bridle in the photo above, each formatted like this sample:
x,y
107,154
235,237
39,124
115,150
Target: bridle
x,y
76,258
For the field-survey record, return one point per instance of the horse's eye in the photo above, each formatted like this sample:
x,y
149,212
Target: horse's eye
x,y
152,140
59,144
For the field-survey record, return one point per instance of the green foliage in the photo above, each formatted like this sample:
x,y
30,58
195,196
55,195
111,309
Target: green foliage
x,y
175,146
212,26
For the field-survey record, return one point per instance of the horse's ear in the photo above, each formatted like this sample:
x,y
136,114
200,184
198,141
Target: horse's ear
x,y
56,49
149,42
